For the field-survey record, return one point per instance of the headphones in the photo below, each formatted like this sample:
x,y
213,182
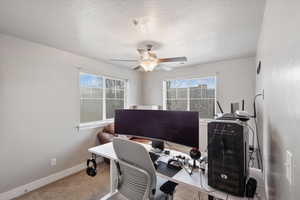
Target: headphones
x,y
91,170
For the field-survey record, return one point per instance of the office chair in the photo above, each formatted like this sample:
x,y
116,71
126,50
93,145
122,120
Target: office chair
x,y
136,174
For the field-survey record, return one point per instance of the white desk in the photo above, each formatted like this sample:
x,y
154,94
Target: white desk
x,y
197,181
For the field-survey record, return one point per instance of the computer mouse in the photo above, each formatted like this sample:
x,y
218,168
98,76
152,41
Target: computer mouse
x,y
167,152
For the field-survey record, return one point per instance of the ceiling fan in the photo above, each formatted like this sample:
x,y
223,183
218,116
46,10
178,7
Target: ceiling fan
x,y
148,60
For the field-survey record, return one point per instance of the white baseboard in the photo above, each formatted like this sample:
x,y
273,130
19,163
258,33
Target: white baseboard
x,y
41,182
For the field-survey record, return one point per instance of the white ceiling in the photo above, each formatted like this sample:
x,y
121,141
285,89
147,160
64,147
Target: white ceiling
x,y
202,30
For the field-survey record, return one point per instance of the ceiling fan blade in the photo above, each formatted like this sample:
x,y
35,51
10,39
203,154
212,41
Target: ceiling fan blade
x,y
163,67
137,67
141,51
124,60
174,59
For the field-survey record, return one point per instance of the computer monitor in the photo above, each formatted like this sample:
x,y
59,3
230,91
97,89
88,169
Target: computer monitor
x,y
181,127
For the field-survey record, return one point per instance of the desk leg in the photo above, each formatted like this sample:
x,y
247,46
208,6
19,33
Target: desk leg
x,y
113,176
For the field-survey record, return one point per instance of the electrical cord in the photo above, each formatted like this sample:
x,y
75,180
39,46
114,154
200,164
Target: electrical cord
x,y
251,158
254,106
252,131
206,187
251,153
256,127
258,145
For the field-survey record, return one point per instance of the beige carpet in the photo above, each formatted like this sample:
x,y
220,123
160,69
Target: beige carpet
x,y
82,187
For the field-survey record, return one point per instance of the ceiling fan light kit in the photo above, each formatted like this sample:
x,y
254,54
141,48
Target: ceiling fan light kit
x,y
148,60
148,65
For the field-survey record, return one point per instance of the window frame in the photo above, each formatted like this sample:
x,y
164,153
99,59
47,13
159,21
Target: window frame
x,y
188,102
104,121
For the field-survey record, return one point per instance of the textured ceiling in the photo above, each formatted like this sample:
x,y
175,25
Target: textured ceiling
x,y
202,30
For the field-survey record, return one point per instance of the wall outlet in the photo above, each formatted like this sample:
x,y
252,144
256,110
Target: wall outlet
x,y
289,167
53,162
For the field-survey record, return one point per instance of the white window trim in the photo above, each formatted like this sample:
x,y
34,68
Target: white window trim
x,y
95,124
105,121
164,95
202,77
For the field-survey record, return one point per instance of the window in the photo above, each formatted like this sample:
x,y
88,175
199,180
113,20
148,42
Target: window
x,y
191,95
100,97
115,93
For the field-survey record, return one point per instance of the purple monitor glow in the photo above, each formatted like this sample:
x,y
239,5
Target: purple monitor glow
x,y
181,127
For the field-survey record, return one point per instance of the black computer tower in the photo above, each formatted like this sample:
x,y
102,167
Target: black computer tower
x,y
228,156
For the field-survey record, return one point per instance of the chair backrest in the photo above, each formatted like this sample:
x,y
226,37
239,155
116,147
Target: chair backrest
x,y
134,182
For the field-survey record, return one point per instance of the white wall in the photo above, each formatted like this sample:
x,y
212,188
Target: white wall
x,y
39,109
279,52
235,81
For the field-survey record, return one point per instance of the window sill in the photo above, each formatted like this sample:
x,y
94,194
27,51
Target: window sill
x,y
205,121
93,125
99,124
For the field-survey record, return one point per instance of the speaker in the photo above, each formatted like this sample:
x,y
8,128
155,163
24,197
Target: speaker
x,y
158,145
228,156
91,170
